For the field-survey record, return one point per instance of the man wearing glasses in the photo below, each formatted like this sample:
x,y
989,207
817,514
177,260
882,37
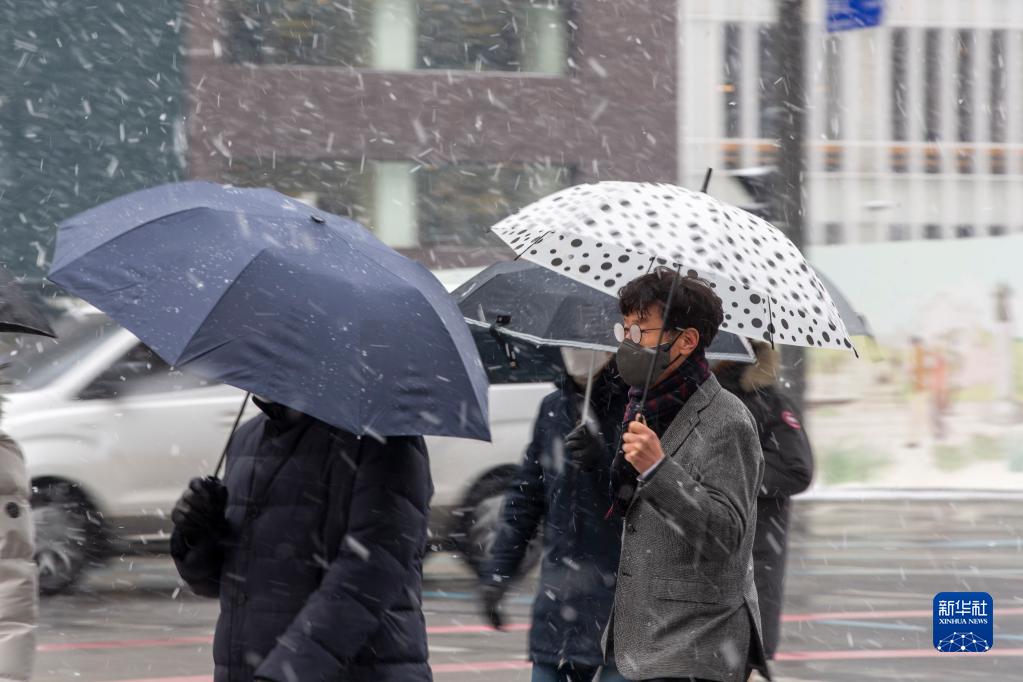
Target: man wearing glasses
x,y
686,481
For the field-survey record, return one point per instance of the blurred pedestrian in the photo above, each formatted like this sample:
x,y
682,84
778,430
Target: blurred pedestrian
x,y
314,544
940,395
788,470
18,572
562,487
918,391
686,481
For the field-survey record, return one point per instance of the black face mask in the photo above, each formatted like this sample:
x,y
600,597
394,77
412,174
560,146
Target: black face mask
x,y
634,362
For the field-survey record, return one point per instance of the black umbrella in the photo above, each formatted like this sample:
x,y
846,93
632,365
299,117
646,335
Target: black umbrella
x,y
17,314
855,323
531,303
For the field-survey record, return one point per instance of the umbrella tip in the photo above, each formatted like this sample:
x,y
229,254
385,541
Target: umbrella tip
x,y
317,219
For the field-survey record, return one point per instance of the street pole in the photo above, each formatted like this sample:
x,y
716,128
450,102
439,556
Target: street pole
x,y
787,198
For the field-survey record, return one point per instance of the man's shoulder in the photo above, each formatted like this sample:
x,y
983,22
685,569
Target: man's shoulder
x,y
729,411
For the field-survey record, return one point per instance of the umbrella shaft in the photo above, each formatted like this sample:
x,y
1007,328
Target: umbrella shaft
x,y
230,438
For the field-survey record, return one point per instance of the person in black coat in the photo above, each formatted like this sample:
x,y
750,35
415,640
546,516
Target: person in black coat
x,y
563,486
314,544
788,470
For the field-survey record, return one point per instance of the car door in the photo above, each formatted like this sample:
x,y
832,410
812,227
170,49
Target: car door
x,y
166,427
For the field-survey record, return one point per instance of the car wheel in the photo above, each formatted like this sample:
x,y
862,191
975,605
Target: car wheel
x,y
66,532
480,519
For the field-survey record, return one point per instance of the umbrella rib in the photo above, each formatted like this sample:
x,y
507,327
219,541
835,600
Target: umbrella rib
x,y
533,243
213,307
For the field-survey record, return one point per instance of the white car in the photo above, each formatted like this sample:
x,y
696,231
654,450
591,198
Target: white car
x,y
111,436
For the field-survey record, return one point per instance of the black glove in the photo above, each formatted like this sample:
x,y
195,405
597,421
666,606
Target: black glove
x,y
200,510
584,448
490,604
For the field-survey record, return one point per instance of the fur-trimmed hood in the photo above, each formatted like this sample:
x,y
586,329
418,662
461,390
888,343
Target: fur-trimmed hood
x,y
752,378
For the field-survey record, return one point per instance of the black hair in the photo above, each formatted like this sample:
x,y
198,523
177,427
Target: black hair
x,y
694,305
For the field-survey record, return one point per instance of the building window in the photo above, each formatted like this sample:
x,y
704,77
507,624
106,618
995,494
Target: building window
x,y
832,102
441,214
932,231
997,113
965,231
769,109
900,99
493,35
834,233
997,231
298,32
768,70
964,98
899,232
337,186
932,85
932,99
731,80
478,35
457,204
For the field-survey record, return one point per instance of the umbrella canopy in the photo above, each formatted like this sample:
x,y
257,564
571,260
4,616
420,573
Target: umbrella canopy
x,y
265,293
608,233
534,304
17,314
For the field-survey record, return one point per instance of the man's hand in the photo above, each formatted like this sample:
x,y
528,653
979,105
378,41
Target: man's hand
x,y
490,603
584,448
642,447
201,507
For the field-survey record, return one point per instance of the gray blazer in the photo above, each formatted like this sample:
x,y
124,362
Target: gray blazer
x,y
686,604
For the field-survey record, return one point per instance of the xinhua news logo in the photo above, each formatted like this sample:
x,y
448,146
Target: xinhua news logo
x,y
964,622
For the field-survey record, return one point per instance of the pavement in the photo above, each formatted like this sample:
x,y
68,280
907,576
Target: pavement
x,y
862,577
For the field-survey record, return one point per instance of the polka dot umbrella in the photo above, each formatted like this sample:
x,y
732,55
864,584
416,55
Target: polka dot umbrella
x,y
607,234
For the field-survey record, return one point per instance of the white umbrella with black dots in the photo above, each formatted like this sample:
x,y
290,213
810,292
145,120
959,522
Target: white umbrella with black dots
x,y
607,234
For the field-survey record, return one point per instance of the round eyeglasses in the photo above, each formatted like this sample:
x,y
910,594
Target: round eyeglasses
x,y
635,332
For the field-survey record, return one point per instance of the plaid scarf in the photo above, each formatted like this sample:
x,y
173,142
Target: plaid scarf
x,y
664,400
662,405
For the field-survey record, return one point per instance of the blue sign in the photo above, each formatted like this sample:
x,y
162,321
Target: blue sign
x,y
848,15
964,622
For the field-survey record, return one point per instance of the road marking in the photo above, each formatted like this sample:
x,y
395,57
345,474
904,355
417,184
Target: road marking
x,y
475,629
491,666
876,615
480,666
848,654
208,639
123,644
447,649
440,630
872,624
472,596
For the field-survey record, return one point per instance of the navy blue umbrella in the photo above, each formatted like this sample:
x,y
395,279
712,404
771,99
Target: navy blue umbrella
x,y
265,293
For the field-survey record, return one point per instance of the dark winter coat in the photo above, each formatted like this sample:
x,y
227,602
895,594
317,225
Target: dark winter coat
x,y
320,575
788,470
580,546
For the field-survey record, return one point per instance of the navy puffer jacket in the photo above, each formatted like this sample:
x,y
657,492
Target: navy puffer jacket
x,y
580,545
320,576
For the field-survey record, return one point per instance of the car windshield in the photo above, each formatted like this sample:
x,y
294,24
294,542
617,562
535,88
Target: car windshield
x,y
35,362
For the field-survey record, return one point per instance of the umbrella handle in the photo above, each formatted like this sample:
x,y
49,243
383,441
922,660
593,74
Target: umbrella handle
x,y
230,438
